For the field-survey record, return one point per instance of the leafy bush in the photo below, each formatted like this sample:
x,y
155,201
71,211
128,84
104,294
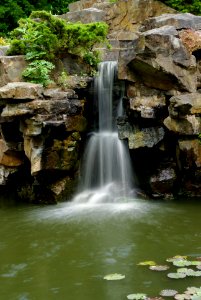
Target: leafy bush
x,y
38,71
13,10
43,36
191,6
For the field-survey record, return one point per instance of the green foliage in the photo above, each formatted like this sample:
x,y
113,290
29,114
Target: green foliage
x,y
43,36
38,71
12,10
191,6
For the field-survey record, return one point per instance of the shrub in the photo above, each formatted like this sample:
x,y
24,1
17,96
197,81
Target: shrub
x,y
38,71
191,6
45,37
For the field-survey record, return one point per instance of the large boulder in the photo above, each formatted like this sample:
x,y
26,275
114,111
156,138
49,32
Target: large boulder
x,y
148,102
140,137
21,91
11,68
165,63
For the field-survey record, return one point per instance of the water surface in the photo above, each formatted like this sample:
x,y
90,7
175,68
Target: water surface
x,y
64,251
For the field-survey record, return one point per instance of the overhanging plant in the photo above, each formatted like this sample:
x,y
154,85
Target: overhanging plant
x,y
43,37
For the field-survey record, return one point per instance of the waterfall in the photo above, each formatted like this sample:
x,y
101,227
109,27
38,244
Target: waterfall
x,y
106,174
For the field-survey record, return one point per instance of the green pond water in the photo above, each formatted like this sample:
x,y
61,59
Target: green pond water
x,y
64,251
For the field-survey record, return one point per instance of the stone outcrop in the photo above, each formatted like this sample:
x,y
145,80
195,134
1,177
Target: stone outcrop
x,y
159,60
163,98
40,136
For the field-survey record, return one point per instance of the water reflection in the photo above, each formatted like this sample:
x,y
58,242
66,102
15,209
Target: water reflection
x,y
65,250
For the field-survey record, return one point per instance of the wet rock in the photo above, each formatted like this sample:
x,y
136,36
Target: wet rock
x,y
138,138
63,189
5,173
162,183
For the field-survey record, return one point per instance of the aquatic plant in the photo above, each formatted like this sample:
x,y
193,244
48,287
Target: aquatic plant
x,y
114,276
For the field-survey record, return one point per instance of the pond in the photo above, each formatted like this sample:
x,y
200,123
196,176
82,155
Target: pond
x,y
64,251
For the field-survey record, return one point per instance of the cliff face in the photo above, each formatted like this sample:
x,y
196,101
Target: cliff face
x,y
41,133
159,60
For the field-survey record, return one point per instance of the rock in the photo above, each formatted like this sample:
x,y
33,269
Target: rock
x,y
58,94
191,39
163,181
178,20
87,15
138,138
43,107
21,91
33,148
5,173
9,158
191,153
62,155
63,189
145,100
30,127
190,125
11,68
165,63
185,104
128,15
75,123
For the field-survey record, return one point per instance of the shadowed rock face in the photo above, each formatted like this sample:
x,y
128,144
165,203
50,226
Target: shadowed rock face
x,y
163,77
40,137
159,61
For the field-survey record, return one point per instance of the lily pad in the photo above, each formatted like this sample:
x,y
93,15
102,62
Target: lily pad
x,y
176,257
182,263
176,275
137,296
114,276
191,290
195,263
159,268
155,298
147,263
168,293
196,274
182,297
188,272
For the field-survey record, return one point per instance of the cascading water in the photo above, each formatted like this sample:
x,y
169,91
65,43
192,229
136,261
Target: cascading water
x,y
106,173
